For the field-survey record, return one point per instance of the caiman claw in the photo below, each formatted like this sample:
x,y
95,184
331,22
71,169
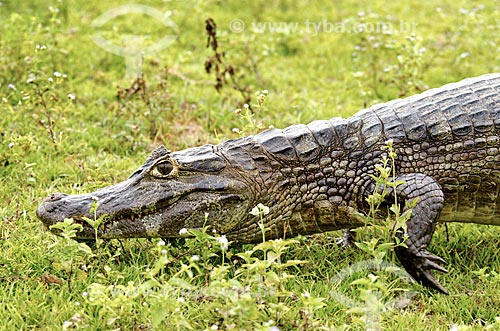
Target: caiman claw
x,y
419,265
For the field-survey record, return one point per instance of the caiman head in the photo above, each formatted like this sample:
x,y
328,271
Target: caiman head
x,y
189,189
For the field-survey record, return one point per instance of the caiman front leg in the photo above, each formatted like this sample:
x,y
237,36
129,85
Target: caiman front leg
x,y
415,258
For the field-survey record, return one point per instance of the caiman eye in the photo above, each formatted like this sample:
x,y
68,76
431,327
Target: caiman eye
x,y
163,170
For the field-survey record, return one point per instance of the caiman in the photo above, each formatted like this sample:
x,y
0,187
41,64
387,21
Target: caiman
x,y
316,177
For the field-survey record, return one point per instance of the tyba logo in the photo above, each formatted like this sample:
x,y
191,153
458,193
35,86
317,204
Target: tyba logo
x,y
134,47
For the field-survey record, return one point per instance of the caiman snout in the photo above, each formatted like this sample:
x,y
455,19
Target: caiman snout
x,y
58,206
49,205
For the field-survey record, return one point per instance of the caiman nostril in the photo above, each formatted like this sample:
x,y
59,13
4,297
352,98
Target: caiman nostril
x,y
55,197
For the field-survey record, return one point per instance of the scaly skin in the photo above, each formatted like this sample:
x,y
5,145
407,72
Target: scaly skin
x,y
316,177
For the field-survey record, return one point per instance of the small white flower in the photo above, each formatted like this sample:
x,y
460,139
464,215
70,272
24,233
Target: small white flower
x,y
181,300
71,96
464,55
84,294
164,252
11,145
265,92
50,79
214,327
12,87
269,323
31,78
260,209
161,243
66,325
195,258
77,318
57,74
224,243
235,130
183,231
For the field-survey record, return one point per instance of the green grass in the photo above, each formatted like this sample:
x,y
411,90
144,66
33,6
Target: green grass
x,y
50,142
